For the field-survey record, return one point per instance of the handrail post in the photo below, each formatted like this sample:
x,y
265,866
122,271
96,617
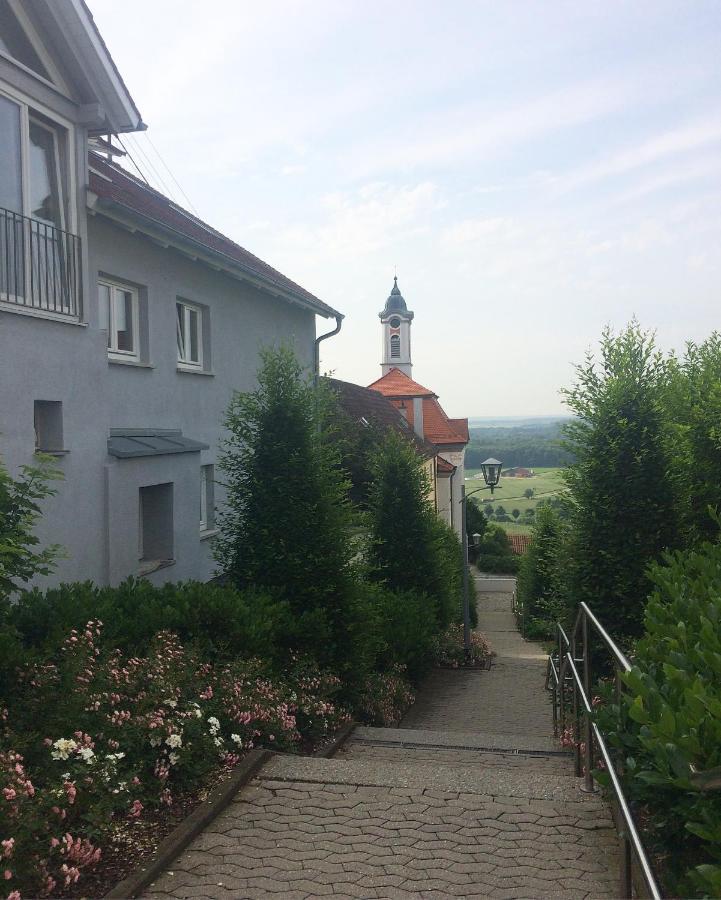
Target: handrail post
x,y
576,714
588,783
561,690
626,881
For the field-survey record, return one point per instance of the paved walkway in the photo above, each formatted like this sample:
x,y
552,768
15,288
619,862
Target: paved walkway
x,y
470,797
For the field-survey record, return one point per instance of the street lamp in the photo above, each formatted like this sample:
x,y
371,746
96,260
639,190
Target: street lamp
x,y
491,469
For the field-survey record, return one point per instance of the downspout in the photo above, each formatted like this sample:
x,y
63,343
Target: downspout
x,y
316,361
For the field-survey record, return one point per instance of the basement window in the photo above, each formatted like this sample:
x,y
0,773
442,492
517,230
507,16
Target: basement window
x,y
48,419
156,527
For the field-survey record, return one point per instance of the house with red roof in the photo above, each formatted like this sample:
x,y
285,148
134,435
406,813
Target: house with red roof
x,y
420,407
126,322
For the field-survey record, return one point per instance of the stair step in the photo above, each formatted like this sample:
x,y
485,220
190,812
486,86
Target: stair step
x,y
450,756
459,740
467,779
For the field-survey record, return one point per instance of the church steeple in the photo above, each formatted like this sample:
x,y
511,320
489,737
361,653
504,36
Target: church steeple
x,y
396,321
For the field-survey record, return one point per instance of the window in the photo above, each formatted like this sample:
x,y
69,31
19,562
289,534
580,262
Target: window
x,y
395,346
207,511
156,527
40,257
189,329
119,316
14,42
48,420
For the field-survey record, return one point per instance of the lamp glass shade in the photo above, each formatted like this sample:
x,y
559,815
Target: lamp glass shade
x,y
491,469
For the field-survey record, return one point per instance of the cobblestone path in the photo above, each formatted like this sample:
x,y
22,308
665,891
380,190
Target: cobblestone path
x,y
468,798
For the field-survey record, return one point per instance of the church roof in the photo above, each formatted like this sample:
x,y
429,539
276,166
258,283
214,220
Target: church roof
x,y
397,384
395,301
360,403
437,427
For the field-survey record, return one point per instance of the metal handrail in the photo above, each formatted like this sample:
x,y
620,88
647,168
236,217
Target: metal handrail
x,y
564,665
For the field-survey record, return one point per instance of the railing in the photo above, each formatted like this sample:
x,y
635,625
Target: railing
x,y
564,679
39,266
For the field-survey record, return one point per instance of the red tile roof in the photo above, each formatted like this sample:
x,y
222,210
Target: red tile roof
x,y
437,427
397,384
117,187
442,465
461,426
519,543
363,403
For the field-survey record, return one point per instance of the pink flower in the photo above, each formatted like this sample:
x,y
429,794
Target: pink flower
x,y
14,895
7,874
8,847
135,809
71,791
9,794
54,842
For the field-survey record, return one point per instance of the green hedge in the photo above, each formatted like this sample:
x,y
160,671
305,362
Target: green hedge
x,y
671,720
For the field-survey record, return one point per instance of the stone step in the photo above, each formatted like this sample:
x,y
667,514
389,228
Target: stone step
x,y
560,764
458,740
493,781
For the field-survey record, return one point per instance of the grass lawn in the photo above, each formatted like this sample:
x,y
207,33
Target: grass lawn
x,y
546,483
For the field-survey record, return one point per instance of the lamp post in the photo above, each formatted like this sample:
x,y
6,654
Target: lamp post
x,y
491,470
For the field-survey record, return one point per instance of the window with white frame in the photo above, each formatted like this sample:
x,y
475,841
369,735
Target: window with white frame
x,y
207,512
189,331
40,255
119,317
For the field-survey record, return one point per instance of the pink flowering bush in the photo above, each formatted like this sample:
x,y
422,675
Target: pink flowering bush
x,y
385,697
448,648
93,736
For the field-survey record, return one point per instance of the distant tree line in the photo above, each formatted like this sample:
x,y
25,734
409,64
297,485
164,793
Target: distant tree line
x,y
526,445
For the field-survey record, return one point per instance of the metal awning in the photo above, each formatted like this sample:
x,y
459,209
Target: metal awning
x,y
131,443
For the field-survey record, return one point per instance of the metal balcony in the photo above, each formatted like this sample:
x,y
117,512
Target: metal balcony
x,y
39,266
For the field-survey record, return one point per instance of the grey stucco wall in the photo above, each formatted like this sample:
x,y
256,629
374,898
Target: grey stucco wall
x,y
95,515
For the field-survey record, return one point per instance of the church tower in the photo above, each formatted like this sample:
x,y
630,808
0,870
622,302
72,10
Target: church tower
x,y
396,321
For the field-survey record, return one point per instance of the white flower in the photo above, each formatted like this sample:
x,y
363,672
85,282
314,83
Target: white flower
x,y
236,738
173,758
197,713
174,740
218,741
154,741
123,786
214,725
63,748
87,754
171,703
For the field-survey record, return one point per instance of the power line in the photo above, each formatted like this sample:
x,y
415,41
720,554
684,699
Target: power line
x,y
152,168
132,160
168,170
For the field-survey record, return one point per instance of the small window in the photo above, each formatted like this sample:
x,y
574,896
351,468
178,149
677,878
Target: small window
x,y
207,512
189,329
156,527
48,416
119,317
395,346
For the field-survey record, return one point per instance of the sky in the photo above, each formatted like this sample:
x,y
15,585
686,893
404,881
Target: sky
x,y
533,171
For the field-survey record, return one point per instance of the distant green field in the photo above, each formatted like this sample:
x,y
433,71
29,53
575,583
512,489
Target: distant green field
x,y
546,483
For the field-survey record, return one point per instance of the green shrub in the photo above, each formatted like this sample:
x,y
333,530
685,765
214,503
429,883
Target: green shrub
x,y
541,607
498,565
671,718
406,630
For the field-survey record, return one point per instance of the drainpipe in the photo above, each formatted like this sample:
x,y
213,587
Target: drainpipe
x,y
316,362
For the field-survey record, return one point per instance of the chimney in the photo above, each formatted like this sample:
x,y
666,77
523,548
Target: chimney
x,y
418,416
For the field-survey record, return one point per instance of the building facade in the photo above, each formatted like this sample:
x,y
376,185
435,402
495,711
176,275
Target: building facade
x,y
126,323
421,409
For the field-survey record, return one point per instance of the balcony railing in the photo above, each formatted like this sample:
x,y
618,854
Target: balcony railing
x,y
39,266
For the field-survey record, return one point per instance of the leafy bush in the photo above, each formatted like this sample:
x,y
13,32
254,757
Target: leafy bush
x,y
286,525
670,720
449,651
538,577
91,736
219,620
623,506
385,698
498,565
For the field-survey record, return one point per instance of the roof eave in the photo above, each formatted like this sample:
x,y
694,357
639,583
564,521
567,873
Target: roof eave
x,y
166,236
78,26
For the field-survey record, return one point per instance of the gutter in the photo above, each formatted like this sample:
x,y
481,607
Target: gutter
x,y
316,359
